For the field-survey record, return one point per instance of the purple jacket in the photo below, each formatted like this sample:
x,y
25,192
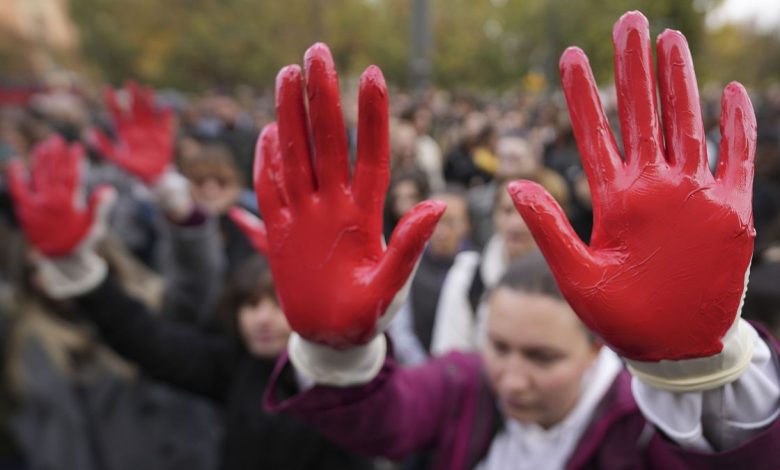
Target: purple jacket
x,y
446,405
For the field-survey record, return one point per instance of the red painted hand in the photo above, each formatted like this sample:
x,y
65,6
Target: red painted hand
x,y
53,217
333,275
145,135
665,272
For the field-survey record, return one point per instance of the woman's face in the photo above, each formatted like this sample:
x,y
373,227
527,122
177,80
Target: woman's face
x,y
215,188
453,227
263,328
511,226
535,356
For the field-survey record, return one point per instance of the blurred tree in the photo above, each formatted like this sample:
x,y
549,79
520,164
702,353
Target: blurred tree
x,y
742,53
196,44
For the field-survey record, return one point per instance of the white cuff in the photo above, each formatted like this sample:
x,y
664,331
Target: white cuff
x,y
72,275
341,368
704,373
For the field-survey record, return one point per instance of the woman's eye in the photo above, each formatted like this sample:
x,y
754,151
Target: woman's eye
x,y
543,358
501,348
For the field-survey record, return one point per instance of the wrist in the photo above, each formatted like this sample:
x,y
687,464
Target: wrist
x,y
72,275
703,373
342,368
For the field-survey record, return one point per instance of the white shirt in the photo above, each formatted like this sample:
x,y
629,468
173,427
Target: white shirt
x,y
528,445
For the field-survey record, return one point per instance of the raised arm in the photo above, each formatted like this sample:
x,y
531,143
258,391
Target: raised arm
x,y
334,277
62,229
663,278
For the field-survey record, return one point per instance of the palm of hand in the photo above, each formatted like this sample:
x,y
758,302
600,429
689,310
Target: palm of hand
x,y
334,279
664,275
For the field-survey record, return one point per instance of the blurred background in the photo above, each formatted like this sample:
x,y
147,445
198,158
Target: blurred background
x,y
195,45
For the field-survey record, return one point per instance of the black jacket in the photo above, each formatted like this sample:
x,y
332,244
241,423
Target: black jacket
x,y
220,369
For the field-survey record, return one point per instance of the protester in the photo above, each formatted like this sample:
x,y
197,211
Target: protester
x,y
684,407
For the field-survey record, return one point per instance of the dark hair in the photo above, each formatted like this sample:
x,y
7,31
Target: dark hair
x,y
416,176
531,275
249,284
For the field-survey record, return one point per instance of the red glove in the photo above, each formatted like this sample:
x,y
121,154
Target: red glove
x,y
665,272
333,276
253,228
145,135
50,212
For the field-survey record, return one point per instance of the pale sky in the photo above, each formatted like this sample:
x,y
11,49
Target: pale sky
x,y
764,14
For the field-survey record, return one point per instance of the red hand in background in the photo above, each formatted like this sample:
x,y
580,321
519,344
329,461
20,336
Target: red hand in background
x,y
333,276
145,135
253,228
665,272
48,207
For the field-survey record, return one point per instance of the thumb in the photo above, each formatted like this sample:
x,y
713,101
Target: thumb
x,y
566,254
101,201
407,243
252,226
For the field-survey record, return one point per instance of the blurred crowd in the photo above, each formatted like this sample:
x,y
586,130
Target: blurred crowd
x,y
80,396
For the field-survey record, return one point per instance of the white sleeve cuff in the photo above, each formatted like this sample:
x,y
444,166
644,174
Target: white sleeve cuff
x,y
703,373
72,275
341,368
721,418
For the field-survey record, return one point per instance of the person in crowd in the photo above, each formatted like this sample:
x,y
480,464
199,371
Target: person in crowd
x,y
216,186
460,313
701,386
230,371
428,152
79,405
407,188
412,329
472,161
518,158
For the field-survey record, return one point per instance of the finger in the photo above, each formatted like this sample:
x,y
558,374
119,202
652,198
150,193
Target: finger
x,y
268,177
61,167
372,168
71,167
566,254
406,244
167,121
17,184
635,86
252,226
327,122
294,134
140,106
738,140
46,164
683,126
599,153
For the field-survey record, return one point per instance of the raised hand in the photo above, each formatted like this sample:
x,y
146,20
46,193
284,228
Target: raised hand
x,y
53,216
667,266
145,134
333,276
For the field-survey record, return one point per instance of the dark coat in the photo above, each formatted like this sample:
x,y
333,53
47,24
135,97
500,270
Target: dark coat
x,y
218,368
